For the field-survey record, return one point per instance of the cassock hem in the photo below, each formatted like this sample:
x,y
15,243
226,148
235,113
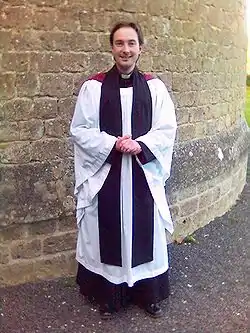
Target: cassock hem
x,y
122,279
99,290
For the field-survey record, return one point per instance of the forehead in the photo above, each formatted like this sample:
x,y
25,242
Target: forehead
x,y
125,33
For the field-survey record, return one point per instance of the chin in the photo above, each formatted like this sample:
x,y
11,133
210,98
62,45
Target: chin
x,y
125,66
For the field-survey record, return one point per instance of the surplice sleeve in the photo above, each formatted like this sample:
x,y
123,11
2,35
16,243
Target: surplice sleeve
x,y
91,146
160,139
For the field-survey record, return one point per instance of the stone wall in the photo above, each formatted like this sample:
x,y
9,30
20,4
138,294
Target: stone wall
x,y
48,48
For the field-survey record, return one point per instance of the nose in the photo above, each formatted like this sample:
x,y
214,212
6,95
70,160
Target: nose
x,y
125,47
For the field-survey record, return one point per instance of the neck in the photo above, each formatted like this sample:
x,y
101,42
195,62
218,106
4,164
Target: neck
x,y
125,71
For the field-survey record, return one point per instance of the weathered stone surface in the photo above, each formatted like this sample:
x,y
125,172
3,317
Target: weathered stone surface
x,y
189,206
87,20
39,268
174,210
74,62
46,62
27,84
206,199
67,223
188,82
107,5
18,109
4,254
68,19
55,266
25,41
5,39
14,274
59,243
185,99
145,63
41,228
133,6
56,128
225,186
44,3
45,19
103,40
45,108
15,153
99,62
186,132
31,129
9,131
60,85
16,17
198,161
66,107
18,62
31,192
14,2
87,4
26,249
183,115
79,79
50,149
159,7
67,41
7,84
186,193
13,232
216,193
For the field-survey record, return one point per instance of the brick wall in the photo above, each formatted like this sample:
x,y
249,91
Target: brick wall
x,y
47,49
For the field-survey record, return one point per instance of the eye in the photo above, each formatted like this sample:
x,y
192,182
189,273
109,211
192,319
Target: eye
x,y
132,43
118,43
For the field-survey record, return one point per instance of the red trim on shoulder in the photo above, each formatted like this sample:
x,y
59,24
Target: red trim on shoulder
x,y
148,76
98,77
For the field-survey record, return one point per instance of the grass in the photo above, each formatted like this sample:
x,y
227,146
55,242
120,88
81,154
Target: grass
x,y
247,109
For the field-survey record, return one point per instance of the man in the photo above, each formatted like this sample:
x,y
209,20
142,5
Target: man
x,y
123,131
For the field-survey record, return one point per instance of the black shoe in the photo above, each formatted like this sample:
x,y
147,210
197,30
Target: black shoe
x,y
106,312
154,310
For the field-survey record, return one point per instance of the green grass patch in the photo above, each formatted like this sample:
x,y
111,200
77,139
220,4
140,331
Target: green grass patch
x,y
247,109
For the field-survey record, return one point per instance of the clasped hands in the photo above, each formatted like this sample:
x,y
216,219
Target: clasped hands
x,y
126,145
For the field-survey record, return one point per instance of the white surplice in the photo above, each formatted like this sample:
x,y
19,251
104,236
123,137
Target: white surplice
x,y
92,148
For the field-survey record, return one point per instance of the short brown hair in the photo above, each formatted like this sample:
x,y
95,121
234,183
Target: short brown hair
x,y
125,24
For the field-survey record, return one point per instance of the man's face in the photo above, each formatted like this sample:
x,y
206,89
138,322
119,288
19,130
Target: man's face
x,y
126,49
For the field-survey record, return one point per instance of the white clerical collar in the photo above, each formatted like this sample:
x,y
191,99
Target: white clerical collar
x,y
126,76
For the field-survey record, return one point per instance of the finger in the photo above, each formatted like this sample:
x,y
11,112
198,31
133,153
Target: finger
x,y
118,145
125,142
136,150
126,145
126,137
126,150
119,140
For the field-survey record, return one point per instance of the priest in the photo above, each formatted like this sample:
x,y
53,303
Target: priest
x,y
123,131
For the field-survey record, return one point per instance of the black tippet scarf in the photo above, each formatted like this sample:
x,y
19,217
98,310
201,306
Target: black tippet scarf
x,y
109,205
